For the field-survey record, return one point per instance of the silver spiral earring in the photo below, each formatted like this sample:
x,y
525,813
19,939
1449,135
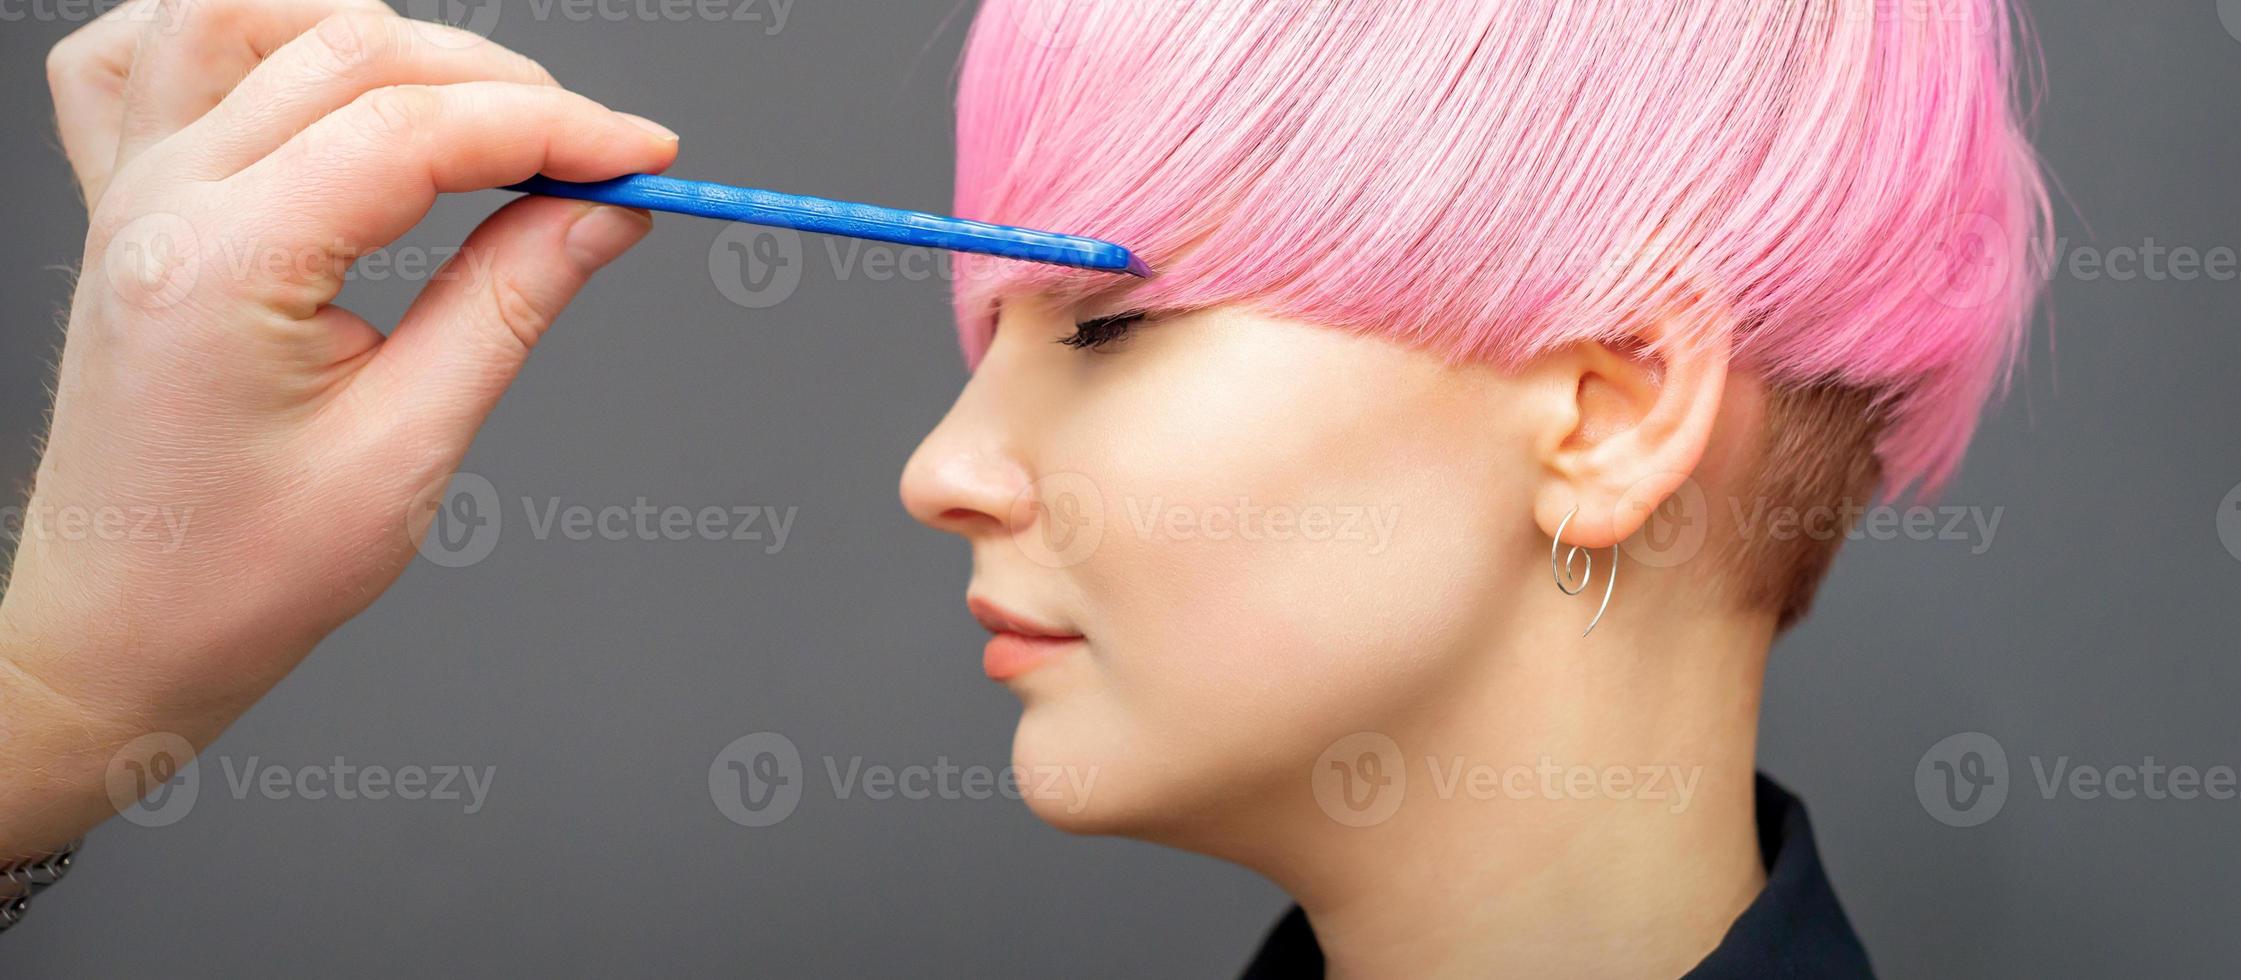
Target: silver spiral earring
x,y
1571,584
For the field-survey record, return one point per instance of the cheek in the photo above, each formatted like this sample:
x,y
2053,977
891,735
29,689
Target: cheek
x,y
1279,567
1268,579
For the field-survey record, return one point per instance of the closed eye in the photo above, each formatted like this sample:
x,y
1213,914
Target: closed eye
x,y
1096,334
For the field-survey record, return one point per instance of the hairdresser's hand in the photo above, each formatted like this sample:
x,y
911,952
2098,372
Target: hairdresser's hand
x,y
232,460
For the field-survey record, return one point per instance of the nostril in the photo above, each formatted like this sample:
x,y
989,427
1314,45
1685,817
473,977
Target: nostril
x,y
968,518
961,489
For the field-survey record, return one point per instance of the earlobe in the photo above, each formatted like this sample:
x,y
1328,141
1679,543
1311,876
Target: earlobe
x,y
1643,415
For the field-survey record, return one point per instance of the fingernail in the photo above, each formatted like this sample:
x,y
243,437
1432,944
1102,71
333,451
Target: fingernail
x,y
603,232
660,131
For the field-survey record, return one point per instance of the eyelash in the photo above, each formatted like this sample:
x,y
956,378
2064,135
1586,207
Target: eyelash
x,y
1096,334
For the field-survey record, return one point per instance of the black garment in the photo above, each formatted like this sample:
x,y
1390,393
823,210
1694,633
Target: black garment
x,y
1794,929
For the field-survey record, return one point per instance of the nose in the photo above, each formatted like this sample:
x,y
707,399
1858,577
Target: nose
x,y
967,477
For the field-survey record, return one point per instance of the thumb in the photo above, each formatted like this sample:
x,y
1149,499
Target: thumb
x,y
465,338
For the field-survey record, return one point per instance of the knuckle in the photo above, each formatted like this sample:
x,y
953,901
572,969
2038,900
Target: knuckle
x,y
204,24
445,35
67,59
538,71
525,67
345,42
190,35
398,111
58,71
517,310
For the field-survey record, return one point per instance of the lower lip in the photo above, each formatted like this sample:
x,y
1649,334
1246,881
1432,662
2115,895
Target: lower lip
x,y
1009,655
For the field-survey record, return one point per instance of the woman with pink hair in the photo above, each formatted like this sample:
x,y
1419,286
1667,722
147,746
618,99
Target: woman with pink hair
x,y
1416,537
1457,298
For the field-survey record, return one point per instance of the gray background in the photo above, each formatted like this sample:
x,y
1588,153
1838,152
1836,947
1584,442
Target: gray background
x,y
602,678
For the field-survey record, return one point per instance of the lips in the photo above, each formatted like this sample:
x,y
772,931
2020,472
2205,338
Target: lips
x,y
1017,644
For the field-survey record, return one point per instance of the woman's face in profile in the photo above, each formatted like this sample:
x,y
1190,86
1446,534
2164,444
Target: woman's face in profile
x,y
1265,534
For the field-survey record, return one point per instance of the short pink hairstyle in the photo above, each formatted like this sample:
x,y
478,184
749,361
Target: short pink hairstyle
x,y
1849,179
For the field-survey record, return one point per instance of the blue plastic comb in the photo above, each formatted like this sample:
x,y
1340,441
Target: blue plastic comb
x,y
817,214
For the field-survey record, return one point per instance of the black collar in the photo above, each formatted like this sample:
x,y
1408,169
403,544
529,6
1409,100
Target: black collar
x,y
1795,928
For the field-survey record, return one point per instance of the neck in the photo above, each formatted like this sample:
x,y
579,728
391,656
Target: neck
x,y
1585,808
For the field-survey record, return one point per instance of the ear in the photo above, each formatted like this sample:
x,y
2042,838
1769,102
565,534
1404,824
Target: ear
x,y
1630,422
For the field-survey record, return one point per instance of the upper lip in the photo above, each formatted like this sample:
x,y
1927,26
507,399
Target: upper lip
x,y
997,619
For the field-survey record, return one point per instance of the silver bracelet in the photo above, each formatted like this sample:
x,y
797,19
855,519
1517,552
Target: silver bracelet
x,y
30,876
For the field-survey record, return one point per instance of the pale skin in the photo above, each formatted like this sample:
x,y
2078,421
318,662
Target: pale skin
x,y
1215,668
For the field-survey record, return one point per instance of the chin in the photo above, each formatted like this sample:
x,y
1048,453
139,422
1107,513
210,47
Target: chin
x,y
1082,771
1066,775
1097,780
1088,820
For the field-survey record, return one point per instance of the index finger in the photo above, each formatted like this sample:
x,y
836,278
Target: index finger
x,y
363,175
86,74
